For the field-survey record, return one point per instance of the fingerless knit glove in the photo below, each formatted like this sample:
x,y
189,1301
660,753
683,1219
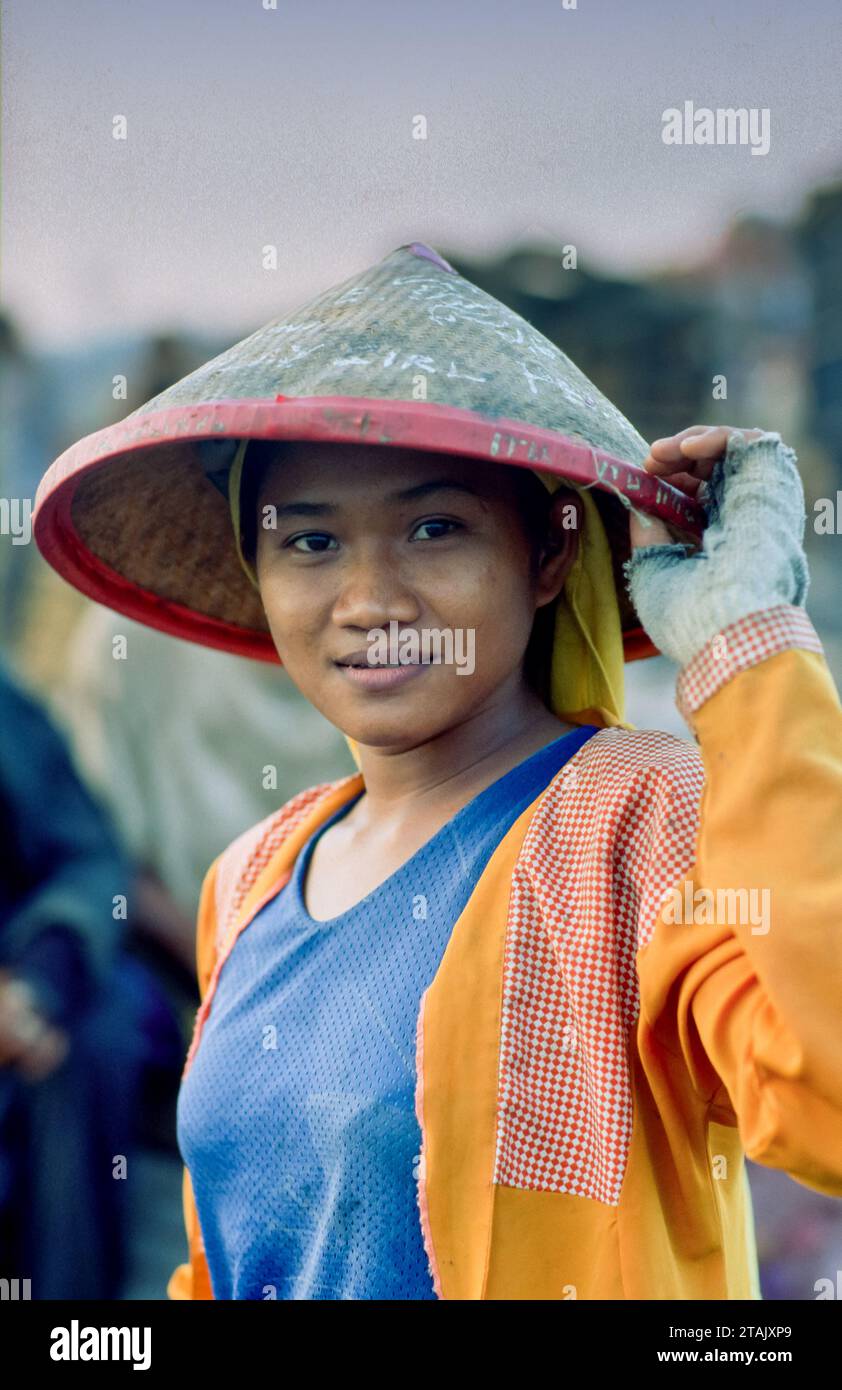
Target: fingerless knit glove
x,y
751,557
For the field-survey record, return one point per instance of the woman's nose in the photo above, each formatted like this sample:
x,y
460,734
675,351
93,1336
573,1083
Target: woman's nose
x,y
372,592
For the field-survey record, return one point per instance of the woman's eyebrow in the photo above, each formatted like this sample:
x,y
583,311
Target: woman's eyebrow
x,y
437,485
409,494
304,509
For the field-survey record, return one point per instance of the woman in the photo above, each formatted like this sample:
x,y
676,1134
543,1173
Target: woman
x,y
522,966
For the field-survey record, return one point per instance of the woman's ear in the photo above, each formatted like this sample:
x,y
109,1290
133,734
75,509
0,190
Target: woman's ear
x,y
565,519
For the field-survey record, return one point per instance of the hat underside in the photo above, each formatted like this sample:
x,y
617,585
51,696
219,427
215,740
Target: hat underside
x,y
131,518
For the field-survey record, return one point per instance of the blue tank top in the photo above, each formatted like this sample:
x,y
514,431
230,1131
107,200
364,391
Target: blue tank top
x,y
297,1117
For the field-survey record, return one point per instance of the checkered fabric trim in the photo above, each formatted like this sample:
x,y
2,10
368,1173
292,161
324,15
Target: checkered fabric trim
x,y
241,864
614,831
237,871
738,646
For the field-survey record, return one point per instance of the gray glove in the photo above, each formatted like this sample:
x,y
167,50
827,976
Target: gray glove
x,y
751,557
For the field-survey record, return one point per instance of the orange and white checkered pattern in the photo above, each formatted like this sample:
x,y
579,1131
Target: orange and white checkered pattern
x,y
615,830
740,645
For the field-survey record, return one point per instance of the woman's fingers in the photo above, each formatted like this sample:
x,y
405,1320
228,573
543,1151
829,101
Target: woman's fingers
x,y
666,454
689,456
713,443
687,460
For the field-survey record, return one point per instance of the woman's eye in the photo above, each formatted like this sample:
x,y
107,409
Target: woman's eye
x,y
437,522
319,537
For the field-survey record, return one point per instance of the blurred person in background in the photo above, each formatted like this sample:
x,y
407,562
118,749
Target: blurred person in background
x,y
74,1019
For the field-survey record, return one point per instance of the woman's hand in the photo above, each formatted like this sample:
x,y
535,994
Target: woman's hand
x,y
686,460
751,556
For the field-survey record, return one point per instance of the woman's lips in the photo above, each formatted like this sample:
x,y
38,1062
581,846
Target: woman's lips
x,y
382,677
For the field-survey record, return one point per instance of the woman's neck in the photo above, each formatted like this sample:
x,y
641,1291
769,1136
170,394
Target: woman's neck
x,y
455,765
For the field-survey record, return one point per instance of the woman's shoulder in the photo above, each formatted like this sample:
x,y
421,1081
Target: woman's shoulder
x,y
625,774
625,754
271,830
237,868
619,822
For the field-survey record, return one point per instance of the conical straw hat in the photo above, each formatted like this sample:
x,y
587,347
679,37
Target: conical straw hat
x,y
134,515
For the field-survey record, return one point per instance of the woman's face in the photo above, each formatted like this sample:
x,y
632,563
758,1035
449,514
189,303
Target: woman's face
x,y
367,536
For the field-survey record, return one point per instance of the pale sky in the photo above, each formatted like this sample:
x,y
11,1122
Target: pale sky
x,y
293,126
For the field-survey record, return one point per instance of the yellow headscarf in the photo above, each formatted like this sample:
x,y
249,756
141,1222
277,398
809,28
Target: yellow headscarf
x,y
587,664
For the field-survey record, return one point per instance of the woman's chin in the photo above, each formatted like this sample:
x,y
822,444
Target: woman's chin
x,y
400,734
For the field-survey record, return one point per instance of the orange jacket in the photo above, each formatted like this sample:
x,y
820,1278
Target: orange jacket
x,y
596,1054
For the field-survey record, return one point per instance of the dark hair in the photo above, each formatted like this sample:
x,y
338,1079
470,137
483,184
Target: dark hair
x,y
259,454
535,501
